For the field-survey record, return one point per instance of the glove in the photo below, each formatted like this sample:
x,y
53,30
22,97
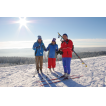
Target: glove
x,y
38,47
61,52
58,52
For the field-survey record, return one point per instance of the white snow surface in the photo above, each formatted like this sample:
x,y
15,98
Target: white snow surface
x,y
94,75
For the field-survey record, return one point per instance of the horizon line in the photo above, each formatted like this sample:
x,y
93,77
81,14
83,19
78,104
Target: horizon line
x,y
74,47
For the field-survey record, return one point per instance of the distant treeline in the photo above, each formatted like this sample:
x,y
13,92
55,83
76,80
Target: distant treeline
x,y
87,54
10,61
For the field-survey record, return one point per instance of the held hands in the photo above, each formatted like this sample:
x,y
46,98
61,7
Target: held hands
x,y
59,52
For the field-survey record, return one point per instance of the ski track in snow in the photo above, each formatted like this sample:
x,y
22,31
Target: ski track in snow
x,y
22,75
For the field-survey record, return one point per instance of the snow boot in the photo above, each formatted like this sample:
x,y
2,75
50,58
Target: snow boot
x,y
38,71
50,69
41,71
65,74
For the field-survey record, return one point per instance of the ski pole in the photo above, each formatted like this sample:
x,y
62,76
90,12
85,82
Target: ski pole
x,y
73,51
36,65
80,58
61,36
45,63
58,62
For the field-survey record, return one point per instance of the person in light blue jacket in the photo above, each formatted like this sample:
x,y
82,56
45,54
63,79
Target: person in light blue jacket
x,y
39,48
52,48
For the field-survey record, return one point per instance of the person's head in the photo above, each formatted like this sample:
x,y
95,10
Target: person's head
x,y
39,39
54,41
65,36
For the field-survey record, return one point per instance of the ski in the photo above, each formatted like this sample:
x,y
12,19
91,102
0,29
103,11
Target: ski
x,y
62,80
40,76
55,73
45,76
73,77
58,78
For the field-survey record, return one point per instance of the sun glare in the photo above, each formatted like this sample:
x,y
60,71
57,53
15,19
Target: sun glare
x,y
22,21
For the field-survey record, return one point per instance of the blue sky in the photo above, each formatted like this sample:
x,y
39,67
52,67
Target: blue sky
x,y
84,31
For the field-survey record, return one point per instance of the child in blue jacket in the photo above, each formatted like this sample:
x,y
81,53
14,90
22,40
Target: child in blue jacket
x,y
52,48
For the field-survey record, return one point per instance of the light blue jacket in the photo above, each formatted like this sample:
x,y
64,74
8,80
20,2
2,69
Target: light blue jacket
x,y
52,50
39,48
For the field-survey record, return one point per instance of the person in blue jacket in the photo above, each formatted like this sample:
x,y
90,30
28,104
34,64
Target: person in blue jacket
x,y
39,47
52,48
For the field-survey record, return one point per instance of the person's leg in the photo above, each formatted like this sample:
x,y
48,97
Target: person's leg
x,y
49,63
64,65
68,63
41,63
37,63
53,63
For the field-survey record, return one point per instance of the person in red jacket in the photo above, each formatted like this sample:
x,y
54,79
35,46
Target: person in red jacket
x,y
67,49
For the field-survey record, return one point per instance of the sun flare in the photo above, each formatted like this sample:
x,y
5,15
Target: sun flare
x,y
22,21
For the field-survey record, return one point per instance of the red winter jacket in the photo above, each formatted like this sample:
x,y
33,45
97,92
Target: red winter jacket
x,y
67,48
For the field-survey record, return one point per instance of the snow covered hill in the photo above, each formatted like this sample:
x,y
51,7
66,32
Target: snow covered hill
x,y
22,75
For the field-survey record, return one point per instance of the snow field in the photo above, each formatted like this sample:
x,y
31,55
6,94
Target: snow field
x,y
94,75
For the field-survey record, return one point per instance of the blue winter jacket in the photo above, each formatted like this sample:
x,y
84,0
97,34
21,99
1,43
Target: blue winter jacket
x,y
52,50
39,48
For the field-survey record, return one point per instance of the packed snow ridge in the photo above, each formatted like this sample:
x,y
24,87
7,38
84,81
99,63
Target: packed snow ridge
x,y
22,75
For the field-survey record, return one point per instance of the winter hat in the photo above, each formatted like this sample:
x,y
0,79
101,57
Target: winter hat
x,y
65,34
39,37
54,40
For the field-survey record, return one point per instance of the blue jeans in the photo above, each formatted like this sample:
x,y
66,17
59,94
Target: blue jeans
x,y
66,64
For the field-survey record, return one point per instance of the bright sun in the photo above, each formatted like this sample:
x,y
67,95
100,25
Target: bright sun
x,y
22,21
